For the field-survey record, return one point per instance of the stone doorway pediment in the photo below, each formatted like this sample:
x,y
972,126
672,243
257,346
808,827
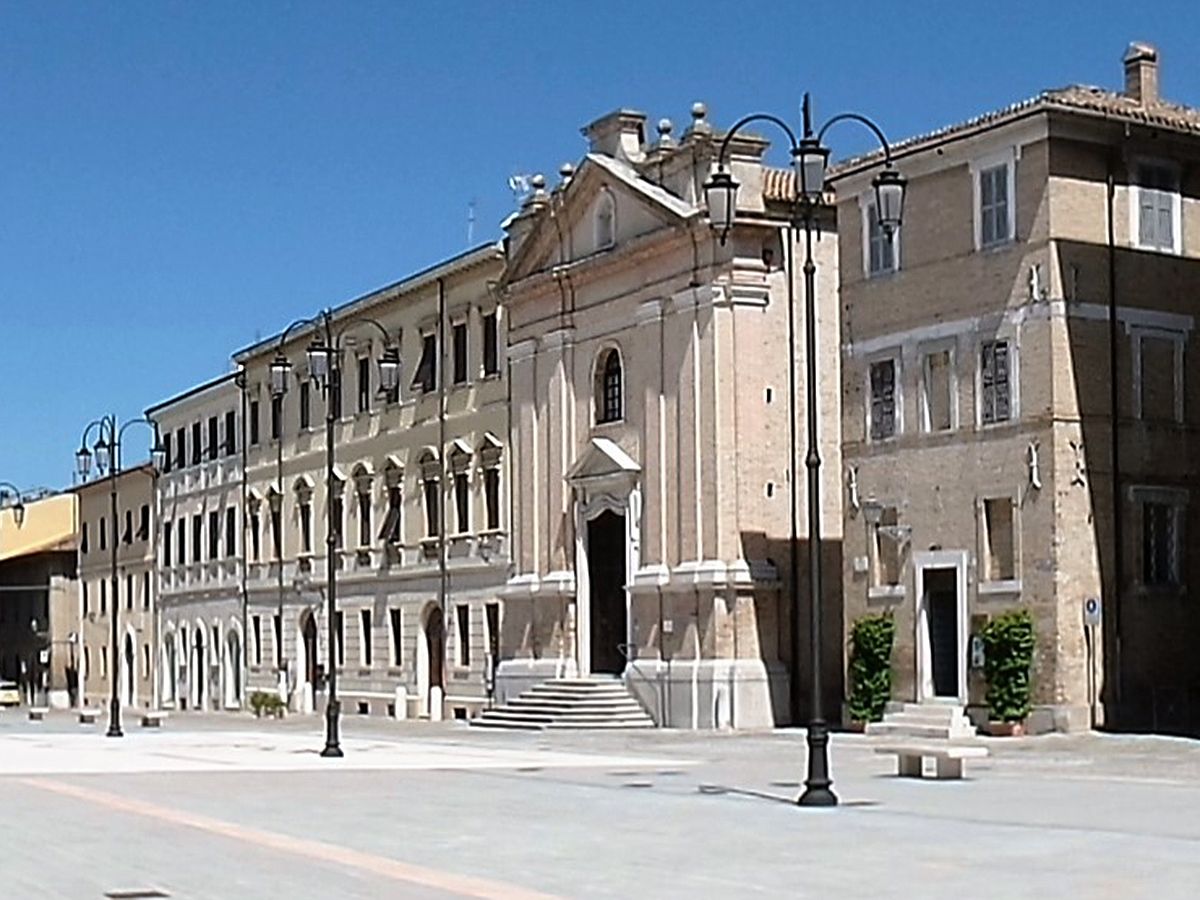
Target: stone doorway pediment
x,y
603,464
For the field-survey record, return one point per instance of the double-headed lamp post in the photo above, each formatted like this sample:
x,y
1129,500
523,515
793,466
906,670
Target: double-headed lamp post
x,y
810,158
107,451
325,368
18,505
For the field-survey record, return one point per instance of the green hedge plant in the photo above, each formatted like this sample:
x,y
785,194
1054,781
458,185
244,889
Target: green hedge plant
x,y
871,640
266,703
1008,642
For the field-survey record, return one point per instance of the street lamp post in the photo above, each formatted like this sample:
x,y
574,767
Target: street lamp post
x,y
324,368
107,450
809,160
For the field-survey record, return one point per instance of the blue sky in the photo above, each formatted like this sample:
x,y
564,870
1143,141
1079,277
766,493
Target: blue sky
x,y
177,180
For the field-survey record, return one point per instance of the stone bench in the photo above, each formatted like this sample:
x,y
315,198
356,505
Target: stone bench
x,y
153,718
38,713
949,758
89,716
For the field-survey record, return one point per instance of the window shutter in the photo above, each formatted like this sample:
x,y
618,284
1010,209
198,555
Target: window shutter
x,y
1147,218
1166,231
987,384
1001,396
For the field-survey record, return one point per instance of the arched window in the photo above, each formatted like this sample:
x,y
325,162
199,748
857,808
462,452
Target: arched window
x,y
609,387
605,221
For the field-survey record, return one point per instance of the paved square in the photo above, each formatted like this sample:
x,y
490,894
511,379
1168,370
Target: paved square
x,y
223,807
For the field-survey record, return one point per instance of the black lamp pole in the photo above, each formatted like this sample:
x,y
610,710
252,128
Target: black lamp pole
x,y
324,363
108,457
809,159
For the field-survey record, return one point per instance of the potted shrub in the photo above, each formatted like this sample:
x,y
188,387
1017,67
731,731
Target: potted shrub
x,y
266,703
1008,642
871,639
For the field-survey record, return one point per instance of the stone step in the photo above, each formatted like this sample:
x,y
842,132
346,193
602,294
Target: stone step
x,y
912,718
937,732
569,703
560,700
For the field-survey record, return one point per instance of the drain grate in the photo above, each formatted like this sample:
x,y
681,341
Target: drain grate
x,y
136,894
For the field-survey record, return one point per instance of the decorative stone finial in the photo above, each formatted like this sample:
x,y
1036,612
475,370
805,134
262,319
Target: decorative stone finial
x,y
700,119
566,172
665,127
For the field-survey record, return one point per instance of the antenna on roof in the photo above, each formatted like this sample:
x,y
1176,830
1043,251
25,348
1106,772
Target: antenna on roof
x,y
471,222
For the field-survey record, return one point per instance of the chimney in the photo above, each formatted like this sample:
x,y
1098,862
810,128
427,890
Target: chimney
x,y
620,134
1141,73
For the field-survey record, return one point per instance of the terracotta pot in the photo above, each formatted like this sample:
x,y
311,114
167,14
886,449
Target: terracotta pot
x,y
1006,729
855,726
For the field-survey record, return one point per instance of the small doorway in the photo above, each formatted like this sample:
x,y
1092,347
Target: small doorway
x,y
608,613
941,600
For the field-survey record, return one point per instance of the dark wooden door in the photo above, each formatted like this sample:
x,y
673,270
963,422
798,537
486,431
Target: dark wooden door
x,y
435,641
606,586
941,599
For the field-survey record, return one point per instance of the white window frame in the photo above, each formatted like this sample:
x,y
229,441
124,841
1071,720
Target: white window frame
x,y
866,202
1177,499
1135,206
983,545
1007,158
925,351
1014,380
875,589
894,354
1139,333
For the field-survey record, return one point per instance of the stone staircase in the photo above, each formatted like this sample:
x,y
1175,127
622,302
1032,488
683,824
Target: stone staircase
x,y
569,703
927,721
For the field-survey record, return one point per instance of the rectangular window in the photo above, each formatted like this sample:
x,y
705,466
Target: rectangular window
x,y
364,384
256,628
277,628
999,547
83,539
391,530
129,591
277,533
1160,544
127,534
230,433
214,534
881,247
883,399
1157,199
993,206
231,531
886,548
306,527
254,422
364,518
459,345
197,536
181,556
103,596
167,458
103,533
337,516
197,444
491,613
1159,380
432,506
426,374
83,587
491,354
397,628
462,620
937,390
213,438
167,544
995,395
255,537
146,590
462,502
491,496
276,416
364,633
334,388
339,634
305,405
180,448
143,532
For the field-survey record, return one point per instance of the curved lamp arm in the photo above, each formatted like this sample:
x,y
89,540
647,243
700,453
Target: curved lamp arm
x,y
863,120
746,120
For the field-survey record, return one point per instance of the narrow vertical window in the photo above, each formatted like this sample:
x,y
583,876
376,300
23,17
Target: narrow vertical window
x,y
83,587
1160,544
166,545
256,627
230,433
364,631
213,438
364,384
103,533
491,613
230,531
491,496
364,516
397,629
305,526
425,377
339,634
83,539
180,448
1157,198
181,556
167,458
883,399
993,206
491,354
462,619
277,531
937,387
334,387
276,416
277,628
462,502
432,507
609,388
460,352
214,534
881,246
146,590
255,538
305,404
995,400
391,532
103,596
337,515
143,532
254,422
999,539
197,444
197,536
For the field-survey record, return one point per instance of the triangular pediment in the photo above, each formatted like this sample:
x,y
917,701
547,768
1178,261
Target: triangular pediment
x,y
568,232
602,459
